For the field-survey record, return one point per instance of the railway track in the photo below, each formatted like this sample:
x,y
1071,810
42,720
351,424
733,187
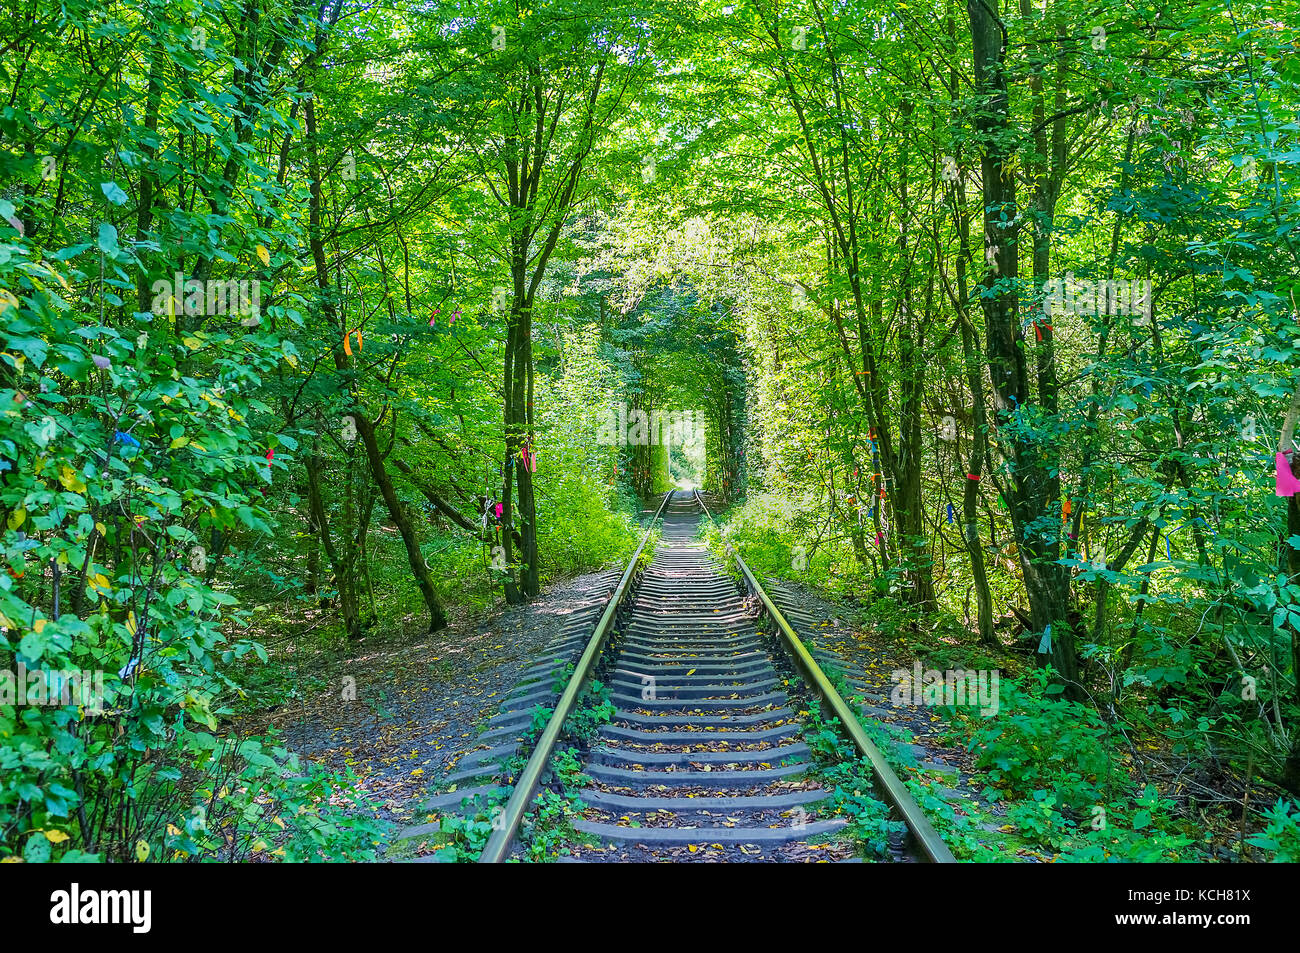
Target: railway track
x,y
706,753
705,748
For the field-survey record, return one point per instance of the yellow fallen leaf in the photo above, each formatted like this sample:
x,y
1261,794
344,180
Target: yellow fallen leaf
x,y
263,254
179,442
173,830
17,518
39,625
100,581
141,851
68,477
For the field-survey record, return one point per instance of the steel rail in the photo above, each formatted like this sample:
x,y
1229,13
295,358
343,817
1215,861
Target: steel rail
x,y
891,788
506,827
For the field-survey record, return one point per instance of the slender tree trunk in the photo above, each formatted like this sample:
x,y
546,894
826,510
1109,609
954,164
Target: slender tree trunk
x,y
365,578
528,568
366,431
149,175
311,584
974,369
339,563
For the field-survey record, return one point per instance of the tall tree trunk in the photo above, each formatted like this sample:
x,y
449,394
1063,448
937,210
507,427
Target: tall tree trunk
x,y
1030,490
528,556
974,369
907,502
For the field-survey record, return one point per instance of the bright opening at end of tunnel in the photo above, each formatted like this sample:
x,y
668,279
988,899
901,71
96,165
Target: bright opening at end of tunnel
x,y
686,459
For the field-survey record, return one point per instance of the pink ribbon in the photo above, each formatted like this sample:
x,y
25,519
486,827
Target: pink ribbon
x,y
1287,484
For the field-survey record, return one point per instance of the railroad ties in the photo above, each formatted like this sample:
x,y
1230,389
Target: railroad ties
x,y
704,757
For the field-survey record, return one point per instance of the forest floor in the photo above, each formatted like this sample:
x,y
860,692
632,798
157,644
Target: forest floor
x,y
420,700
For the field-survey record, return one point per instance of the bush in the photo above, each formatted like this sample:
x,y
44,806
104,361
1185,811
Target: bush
x,y
1282,835
1037,742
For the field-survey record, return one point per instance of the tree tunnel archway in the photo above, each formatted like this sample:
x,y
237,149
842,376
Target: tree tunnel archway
x,y
683,394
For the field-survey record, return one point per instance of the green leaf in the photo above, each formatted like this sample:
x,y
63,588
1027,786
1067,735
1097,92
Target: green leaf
x,y
37,850
113,192
32,645
108,239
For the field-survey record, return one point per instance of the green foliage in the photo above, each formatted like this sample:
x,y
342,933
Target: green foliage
x,y
849,777
547,829
463,837
261,803
580,532
708,226
1282,833
594,708
1038,741
568,769
537,724
1139,829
